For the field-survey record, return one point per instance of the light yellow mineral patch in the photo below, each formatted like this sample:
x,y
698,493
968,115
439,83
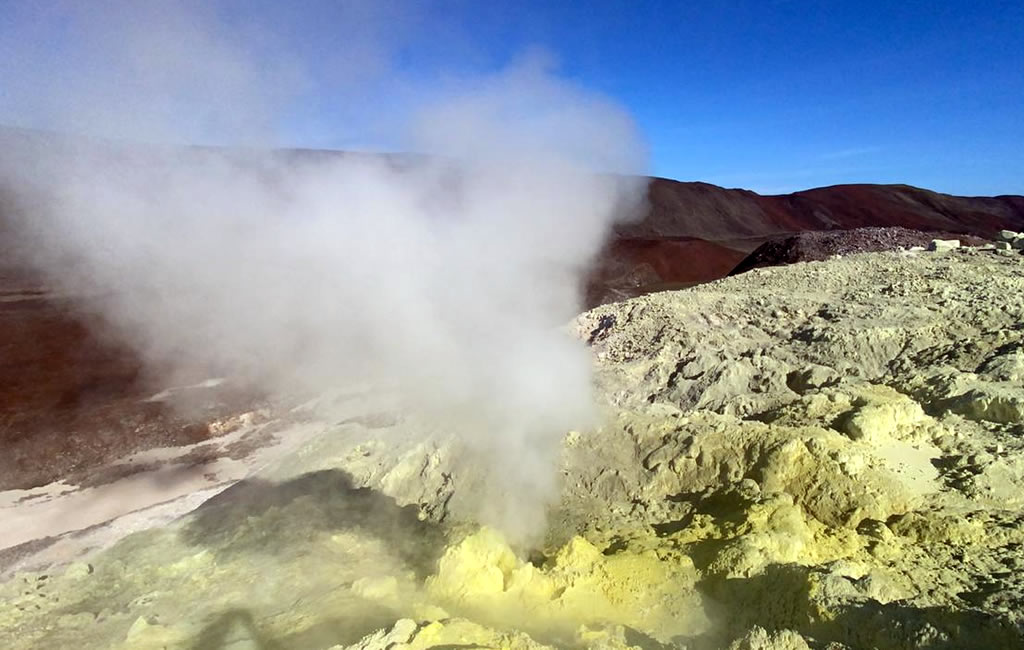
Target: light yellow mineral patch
x,y
760,639
406,634
482,578
923,527
892,415
911,463
147,634
775,531
480,566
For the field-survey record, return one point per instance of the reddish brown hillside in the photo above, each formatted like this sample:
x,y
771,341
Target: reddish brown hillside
x,y
631,266
717,214
71,398
722,226
857,206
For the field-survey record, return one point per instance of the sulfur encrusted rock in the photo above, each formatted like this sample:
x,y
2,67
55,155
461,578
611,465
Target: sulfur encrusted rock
x,y
941,245
760,639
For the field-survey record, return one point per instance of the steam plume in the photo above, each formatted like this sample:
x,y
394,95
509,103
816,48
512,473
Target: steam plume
x,y
443,278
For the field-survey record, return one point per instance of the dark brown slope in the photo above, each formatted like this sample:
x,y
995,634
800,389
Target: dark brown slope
x,y
818,245
717,214
71,398
632,266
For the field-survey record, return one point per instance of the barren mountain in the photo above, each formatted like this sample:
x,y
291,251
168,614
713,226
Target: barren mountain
x,y
696,232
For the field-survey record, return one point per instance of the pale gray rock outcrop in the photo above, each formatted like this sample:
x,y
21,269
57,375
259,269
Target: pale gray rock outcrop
x,y
942,245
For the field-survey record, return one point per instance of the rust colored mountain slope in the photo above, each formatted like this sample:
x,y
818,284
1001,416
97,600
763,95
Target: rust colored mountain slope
x,y
714,213
722,226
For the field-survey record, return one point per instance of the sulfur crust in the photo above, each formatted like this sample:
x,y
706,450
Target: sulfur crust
x,y
814,455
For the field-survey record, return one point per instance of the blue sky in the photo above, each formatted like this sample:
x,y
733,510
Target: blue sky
x,y
777,96
769,95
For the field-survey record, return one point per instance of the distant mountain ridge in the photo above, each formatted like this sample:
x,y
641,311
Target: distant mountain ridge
x,y
696,232
690,232
694,209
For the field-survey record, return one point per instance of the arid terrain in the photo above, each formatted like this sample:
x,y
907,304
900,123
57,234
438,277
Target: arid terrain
x,y
391,325
824,455
73,397
823,450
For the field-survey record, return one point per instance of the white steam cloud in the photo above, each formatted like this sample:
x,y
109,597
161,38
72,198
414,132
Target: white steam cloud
x,y
444,278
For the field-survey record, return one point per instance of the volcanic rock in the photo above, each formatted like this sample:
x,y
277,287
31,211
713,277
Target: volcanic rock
x,y
823,245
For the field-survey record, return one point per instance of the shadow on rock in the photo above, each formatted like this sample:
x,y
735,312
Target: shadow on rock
x,y
788,596
226,629
901,626
256,515
238,628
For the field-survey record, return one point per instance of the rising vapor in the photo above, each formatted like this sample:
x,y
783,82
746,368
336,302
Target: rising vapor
x,y
441,278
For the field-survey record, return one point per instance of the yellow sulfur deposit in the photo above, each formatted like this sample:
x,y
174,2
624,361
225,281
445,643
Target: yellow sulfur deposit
x,y
760,482
482,578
